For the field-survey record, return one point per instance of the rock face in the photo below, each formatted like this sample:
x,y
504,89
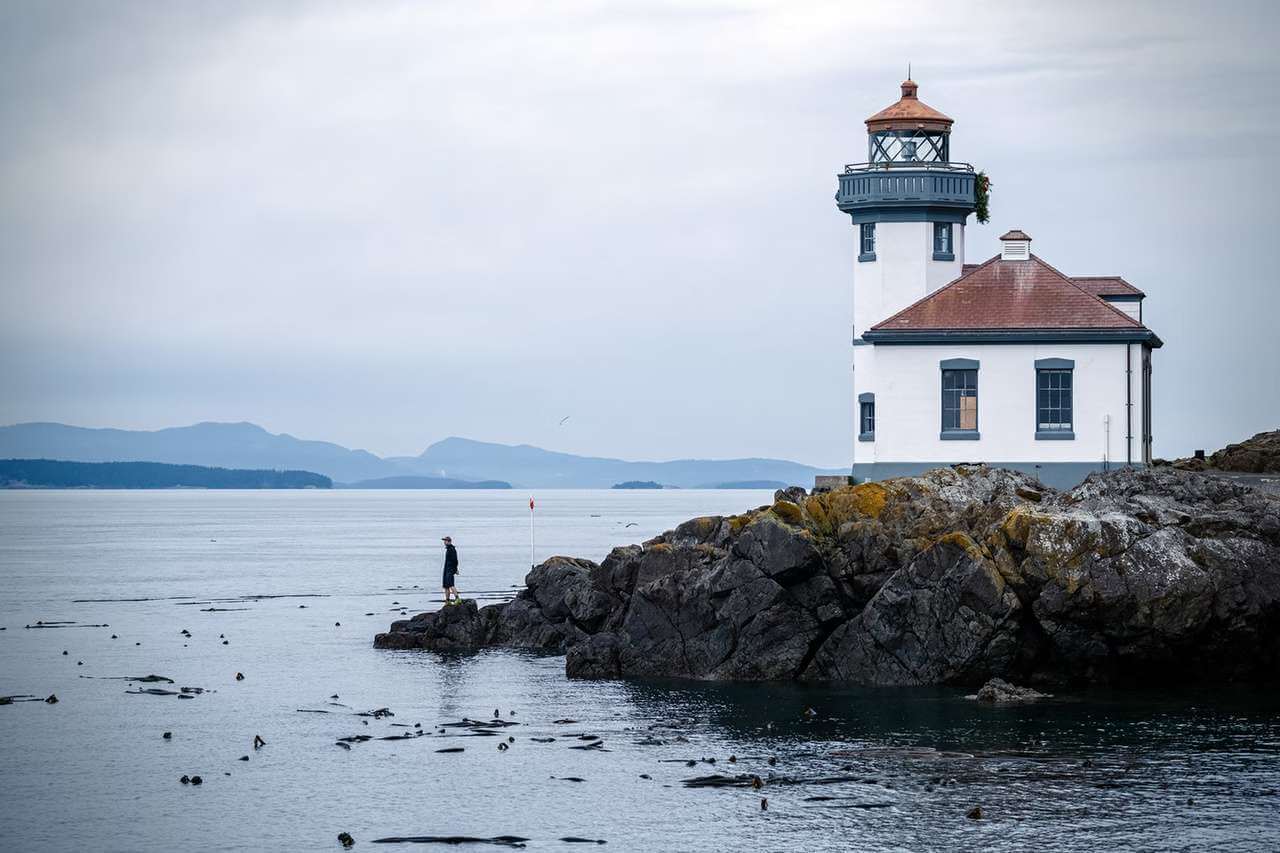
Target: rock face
x,y
953,577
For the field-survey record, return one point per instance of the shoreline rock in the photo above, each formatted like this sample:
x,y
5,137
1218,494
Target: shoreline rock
x,y
1259,454
957,576
999,691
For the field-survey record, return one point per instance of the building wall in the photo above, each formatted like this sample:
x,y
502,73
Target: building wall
x,y
907,383
1132,307
903,272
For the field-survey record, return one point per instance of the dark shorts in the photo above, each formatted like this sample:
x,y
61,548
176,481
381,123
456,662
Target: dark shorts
x,y
448,579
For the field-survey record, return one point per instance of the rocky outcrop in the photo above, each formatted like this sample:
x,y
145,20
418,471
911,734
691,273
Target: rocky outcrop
x,y
953,577
1257,455
997,691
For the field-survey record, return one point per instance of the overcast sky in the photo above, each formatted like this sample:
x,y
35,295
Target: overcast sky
x,y
386,223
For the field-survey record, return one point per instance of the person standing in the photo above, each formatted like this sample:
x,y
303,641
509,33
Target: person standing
x,y
450,569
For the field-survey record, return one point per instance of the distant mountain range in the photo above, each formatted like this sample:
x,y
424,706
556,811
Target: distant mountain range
x,y
246,445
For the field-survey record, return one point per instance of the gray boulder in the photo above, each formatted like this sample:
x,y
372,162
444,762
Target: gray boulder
x,y
998,691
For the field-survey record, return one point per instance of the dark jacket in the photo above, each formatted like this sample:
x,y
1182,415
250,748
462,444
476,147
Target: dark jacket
x,y
450,558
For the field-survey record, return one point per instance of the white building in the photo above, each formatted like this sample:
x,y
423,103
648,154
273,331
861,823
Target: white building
x,y
1008,361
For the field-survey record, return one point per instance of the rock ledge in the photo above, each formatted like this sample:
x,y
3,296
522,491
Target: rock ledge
x,y
958,576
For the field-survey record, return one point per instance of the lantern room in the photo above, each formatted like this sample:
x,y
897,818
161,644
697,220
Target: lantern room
x,y
909,131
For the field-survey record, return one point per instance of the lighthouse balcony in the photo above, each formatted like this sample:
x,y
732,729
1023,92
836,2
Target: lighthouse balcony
x,y
868,187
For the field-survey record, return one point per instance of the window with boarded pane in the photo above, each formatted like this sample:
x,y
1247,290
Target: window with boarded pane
x,y
959,400
1053,401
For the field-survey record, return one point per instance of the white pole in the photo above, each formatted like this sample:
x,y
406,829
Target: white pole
x,y
532,559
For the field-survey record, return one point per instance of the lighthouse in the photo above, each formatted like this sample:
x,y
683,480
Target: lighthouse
x,y
1009,361
908,202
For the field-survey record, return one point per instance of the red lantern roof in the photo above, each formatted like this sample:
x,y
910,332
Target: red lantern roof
x,y
909,113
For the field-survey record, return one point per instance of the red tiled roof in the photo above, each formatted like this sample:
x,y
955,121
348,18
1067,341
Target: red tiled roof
x,y
999,294
1106,285
1015,234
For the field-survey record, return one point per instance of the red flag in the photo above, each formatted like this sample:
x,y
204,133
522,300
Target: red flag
x,y
530,504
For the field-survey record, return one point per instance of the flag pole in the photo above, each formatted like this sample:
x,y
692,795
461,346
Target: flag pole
x,y
532,559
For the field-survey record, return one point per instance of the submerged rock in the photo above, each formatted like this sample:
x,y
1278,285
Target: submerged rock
x,y
999,690
957,576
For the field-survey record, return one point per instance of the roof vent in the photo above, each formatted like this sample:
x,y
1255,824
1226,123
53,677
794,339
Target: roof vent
x,y
1015,246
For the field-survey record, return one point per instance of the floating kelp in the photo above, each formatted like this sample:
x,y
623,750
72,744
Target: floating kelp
x,y
497,840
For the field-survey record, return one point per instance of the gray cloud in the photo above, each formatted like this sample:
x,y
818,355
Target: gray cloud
x,y
385,223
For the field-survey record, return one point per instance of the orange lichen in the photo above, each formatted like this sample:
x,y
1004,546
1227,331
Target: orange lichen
x,y
964,542
1016,526
704,526
788,512
867,500
817,512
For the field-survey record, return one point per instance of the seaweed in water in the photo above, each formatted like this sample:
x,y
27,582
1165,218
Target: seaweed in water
x,y
497,840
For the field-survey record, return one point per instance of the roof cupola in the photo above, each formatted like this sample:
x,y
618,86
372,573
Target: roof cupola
x,y
1015,245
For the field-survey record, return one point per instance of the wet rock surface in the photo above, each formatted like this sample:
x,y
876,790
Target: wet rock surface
x,y
997,690
957,576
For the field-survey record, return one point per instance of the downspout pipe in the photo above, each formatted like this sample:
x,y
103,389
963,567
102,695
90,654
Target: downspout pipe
x,y
1128,404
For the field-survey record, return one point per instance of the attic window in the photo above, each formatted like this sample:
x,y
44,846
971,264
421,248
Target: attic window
x,y
1015,250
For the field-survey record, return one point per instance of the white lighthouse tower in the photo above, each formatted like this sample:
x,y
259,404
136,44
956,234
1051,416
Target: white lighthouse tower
x,y
909,203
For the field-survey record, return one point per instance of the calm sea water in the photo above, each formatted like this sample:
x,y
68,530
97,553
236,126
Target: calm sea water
x,y
873,770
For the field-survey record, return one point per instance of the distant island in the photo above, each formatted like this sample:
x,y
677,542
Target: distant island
x,y
246,445
637,484
415,482
56,474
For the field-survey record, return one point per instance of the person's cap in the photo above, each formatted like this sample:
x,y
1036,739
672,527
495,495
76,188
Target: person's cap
x,y
446,539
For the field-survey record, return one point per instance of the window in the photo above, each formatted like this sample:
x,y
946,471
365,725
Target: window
x,y
866,417
959,398
868,248
1054,398
942,250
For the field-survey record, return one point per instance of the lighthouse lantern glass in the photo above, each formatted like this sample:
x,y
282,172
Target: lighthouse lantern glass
x,y
908,146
